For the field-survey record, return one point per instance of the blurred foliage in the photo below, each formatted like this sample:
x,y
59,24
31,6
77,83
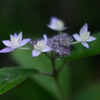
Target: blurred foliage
x,y
42,63
90,92
10,77
28,90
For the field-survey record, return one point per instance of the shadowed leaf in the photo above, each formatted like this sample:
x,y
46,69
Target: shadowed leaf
x,y
10,77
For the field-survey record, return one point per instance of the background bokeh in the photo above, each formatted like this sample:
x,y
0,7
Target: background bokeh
x,y
31,17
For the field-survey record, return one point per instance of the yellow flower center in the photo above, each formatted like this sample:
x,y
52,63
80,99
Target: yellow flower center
x,y
16,41
40,45
84,37
60,24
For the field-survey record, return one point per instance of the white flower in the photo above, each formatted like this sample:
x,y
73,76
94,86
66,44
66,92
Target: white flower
x,y
16,42
56,24
41,46
84,36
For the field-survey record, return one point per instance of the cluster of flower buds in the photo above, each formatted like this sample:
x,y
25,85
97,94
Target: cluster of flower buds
x,y
59,43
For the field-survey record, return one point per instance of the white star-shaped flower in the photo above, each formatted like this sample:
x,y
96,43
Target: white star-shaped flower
x,y
41,46
16,42
56,24
84,36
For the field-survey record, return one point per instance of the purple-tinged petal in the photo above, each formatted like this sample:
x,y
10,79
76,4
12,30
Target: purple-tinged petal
x,y
12,38
77,37
35,52
7,43
53,20
56,24
6,50
53,27
19,37
24,41
90,38
46,49
85,44
45,38
15,34
84,29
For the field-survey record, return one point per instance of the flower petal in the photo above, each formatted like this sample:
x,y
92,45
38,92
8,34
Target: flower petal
x,y
56,28
36,53
53,20
24,41
45,38
85,44
19,37
46,49
7,43
77,37
52,27
84,36
84,29
15,34
90,38
12,38
6,50
56,24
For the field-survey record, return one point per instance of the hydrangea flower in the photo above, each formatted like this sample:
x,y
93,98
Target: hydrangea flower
x,y
15,42
41,46
56,24
84,36
60,43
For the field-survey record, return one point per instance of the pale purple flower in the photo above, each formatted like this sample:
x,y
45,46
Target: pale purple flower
x,y
56,24
84,36
41,46
15,42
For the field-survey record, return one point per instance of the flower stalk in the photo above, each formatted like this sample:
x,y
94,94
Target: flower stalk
x,y
55,74
74,43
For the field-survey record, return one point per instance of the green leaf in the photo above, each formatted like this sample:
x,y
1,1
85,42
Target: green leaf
x,y
10,77
42,63
80,52
27,90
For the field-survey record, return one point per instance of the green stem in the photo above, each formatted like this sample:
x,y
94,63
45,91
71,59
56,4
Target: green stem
x,y
47,55
74,43
56,71
53,65
59,87
47,74
55,75
60,32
